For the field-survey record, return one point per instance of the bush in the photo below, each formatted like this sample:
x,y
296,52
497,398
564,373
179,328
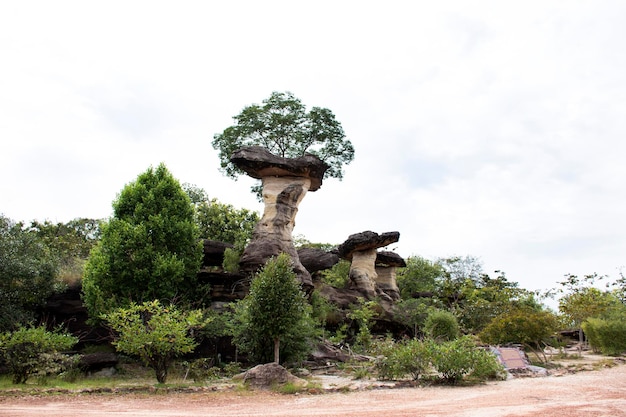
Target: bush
x,y
525,326
402,359
607,335
441,325
34,350
459,358
155,333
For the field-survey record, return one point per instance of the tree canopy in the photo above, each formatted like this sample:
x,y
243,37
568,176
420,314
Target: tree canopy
x,y
149,250
284,127
27,273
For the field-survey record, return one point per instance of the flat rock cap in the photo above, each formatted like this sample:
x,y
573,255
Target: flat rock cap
x,y
258,162
388,258
364,241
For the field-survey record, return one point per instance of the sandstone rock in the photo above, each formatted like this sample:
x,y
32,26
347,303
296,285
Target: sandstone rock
x,y
285,182
361,249
214,252
386,263
259,163
269,375
317,259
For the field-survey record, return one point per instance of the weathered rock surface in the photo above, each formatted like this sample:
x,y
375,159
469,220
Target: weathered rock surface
x,y
315,260
360,248
259,163
214,252
94,362
269,375
386,263
285,182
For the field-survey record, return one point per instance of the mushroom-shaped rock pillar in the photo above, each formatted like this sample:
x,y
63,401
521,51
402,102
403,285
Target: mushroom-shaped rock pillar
x,y
285,182
360,249
386,263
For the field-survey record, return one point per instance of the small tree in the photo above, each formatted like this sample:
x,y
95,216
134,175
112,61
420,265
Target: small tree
x,y
155,333
275,311
441,325
24,350
149,250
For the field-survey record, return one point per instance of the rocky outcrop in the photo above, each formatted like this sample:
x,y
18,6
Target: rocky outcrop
x,y
315,260
269,375
386,264
214,252
360,249
285,182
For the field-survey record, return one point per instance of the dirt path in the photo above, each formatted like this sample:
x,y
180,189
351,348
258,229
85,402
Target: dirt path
x,y
592,393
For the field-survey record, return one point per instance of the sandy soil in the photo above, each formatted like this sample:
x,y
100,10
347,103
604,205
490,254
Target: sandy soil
x,y
591,393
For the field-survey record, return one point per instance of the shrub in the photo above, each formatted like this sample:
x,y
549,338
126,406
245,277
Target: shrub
x,y
525,326
155,333
459,358
441,325
29,351
402,359
607,335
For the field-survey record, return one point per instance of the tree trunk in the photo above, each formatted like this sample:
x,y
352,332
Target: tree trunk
x,y
276,350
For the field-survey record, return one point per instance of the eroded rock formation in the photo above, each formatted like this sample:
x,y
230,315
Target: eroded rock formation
x,y
285,182
360,249
386,264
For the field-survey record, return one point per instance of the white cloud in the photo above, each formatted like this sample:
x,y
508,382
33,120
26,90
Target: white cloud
x,y
485,128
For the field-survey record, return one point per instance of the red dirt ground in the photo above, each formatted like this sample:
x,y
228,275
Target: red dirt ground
x,y
589,394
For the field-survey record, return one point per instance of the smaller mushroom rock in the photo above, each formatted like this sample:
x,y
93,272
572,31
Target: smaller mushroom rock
x,y
360,249
386,263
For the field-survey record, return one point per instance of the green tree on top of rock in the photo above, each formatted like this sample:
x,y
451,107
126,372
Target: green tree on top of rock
x,y
149,250
284,127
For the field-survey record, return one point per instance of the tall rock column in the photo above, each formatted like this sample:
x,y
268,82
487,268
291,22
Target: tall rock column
x,y
386,264
285,182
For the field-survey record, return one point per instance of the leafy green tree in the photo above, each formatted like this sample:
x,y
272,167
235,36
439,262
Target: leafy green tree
x,y
225,223
526,326
581,300
24,350
154,332
420,276
149,250
284,127
27,274
70,242
275,313
607,333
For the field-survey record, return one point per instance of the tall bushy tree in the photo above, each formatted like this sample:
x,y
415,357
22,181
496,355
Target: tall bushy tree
x,y
275,313
284,127
27,274
149,249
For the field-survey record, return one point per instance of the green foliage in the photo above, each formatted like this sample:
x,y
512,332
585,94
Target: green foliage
x,y
460,358
155,333
27,274
29,350
225,223
363,315
284,127
419,276
585,303
149,250
275,316
338,276
412,313
441,325
608,332
525,326
410,357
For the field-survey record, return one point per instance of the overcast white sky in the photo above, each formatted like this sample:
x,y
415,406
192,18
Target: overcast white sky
x,y
487,128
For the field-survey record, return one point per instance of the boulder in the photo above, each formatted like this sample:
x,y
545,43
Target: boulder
x,y
269,375
285,182
315,260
